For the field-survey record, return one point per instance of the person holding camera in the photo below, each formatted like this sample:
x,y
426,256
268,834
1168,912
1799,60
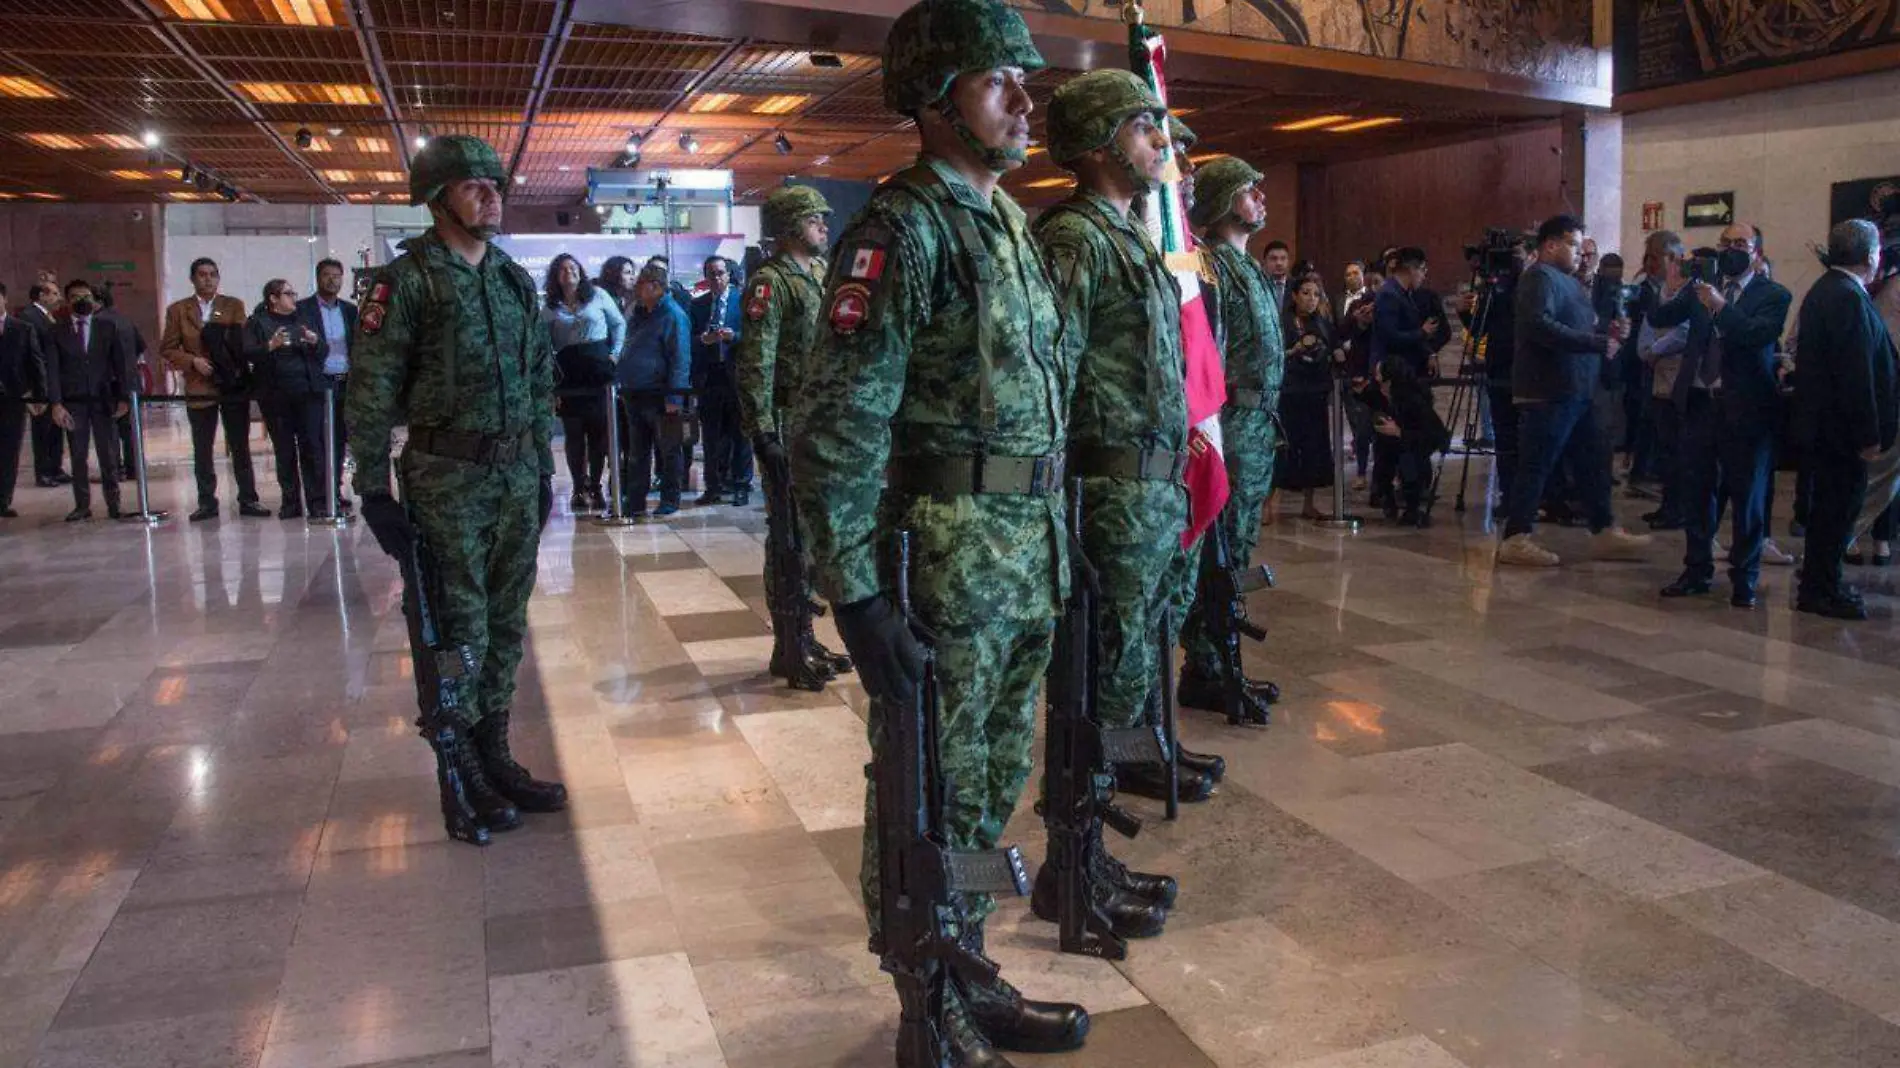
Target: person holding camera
x,y
1559,359
288,357
1727,392
1847,410
1487,311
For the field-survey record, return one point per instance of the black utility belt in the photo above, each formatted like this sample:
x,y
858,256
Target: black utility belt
x,y
470,447
1138,465
959,476
1251,399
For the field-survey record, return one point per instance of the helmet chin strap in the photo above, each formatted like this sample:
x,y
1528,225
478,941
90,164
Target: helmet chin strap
x,y
1141,182
998,160
477,231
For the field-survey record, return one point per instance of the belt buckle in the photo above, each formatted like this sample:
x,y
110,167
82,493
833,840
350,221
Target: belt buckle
x,y
504,451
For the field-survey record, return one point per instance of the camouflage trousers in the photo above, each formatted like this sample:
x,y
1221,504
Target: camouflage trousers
x,y
1132,534
480,526
1249,439
987,682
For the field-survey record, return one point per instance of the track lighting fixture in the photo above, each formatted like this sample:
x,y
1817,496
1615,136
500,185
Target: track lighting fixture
x,y
783,144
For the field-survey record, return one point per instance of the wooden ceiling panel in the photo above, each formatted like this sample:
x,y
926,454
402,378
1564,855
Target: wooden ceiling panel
x,y
89,40
459,49
215,41
530,17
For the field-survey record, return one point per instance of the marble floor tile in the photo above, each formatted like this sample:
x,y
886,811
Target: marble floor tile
x,y
28,1004
684,592
1519,686
212,1040
52,921
640,1013
596,865
1126,1038
817,759
1413,1052
1871,756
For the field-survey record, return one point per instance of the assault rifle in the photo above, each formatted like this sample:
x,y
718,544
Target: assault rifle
x,y
919,875
440,668
789,603
1078,755
1224,590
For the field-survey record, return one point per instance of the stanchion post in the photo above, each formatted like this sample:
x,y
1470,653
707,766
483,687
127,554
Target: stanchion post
x,y
1339,520
333,516
614,516
145,514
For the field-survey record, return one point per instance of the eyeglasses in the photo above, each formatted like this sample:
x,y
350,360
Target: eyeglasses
x,y
1744,243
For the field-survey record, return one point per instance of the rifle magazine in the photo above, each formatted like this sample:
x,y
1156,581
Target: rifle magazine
x,y
1134,745
989,871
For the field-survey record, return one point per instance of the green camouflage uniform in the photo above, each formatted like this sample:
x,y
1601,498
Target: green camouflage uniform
x,y
445,346
782,305
900,382
1125,309
1255,360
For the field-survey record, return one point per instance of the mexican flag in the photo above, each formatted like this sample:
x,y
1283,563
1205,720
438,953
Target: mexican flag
x,y
1206,377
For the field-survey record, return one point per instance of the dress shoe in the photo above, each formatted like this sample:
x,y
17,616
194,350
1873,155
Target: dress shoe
x,y
1832,607
579,502
79,515
667,509
62,479
708,499
509,778
1129,915
741,498
1150,780
204,512
1743,597
45,481
290,511
1210,765
253,510
1687,587
1013,1022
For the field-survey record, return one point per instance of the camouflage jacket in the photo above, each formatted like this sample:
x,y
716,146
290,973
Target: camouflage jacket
x,y
781,310
1255,348
1123,309
898,379
444,345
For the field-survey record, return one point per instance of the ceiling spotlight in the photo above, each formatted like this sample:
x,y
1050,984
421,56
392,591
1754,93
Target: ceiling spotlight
x,y
521,179
688,143
422,141
826,59
783,144
185,174
226,191
600,209
304,137
151,139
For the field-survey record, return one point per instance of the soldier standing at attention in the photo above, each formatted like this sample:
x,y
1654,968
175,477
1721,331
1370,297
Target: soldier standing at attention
x,y
1228,208
940,366
781,310
450,342
1127,436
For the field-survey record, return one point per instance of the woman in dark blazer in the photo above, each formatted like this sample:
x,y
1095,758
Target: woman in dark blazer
x,y
1312,355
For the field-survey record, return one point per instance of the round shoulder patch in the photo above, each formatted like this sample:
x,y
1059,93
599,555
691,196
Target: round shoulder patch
x,y
850,306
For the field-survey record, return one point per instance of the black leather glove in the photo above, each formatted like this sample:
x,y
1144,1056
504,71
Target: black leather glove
x,y
770,450
389,521
889,658
547,499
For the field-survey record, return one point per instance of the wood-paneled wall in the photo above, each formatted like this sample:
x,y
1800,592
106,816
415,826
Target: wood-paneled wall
x,y
67,238
1437,198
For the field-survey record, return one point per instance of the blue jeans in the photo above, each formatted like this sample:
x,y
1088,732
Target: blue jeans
x,y
1547,432
1724,459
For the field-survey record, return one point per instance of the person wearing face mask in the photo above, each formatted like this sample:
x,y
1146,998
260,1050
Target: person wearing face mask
x,y
450,342
717,325
88,376
952,384
288,355
1731,396
1229,209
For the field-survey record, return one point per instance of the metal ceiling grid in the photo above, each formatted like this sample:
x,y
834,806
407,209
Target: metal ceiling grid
x,y
404,48
531,17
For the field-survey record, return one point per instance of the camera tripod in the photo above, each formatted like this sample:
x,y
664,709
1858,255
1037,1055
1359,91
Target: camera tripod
x,y
1469,411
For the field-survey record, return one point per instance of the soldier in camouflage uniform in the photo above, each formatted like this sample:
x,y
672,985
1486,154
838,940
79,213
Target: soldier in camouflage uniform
x,y
1127,436
781,310
1228,208
943,370
450,343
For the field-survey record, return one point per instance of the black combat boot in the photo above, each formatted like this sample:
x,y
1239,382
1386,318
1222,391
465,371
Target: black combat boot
x,y
963,1042
1160,889
1211,765
1129,914
789,662
1010,1021
836,663
1209,695
510,779
1150,780
494,811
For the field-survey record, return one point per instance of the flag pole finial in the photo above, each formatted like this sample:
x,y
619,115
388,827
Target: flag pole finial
x,y
1132,13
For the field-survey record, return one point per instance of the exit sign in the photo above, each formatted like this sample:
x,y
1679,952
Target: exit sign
x,y
111,265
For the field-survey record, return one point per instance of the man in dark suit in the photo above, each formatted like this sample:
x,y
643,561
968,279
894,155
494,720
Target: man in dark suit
x,y
88,371
1727,394
21,374
1847,409
333,319
49,441
1400,328
716,324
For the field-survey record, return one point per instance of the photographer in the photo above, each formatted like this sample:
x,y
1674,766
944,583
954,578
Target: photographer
x,y
1488,312
1660,352
1559,358
1847,408
1726,391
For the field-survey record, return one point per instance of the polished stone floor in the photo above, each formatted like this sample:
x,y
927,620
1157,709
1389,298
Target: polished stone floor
x,y
1505,820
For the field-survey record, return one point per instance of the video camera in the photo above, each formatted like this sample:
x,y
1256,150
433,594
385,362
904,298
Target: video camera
x,y
1703,266
1496,256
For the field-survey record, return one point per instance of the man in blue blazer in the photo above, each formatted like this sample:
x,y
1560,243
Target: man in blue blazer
x,y
1847,409
717,320
1400,328
1727,394
333,319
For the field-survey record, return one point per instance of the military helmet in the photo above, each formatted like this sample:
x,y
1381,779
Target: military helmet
x,y
452,158
1179,133
934,41
1089,109
789,206
1215,183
